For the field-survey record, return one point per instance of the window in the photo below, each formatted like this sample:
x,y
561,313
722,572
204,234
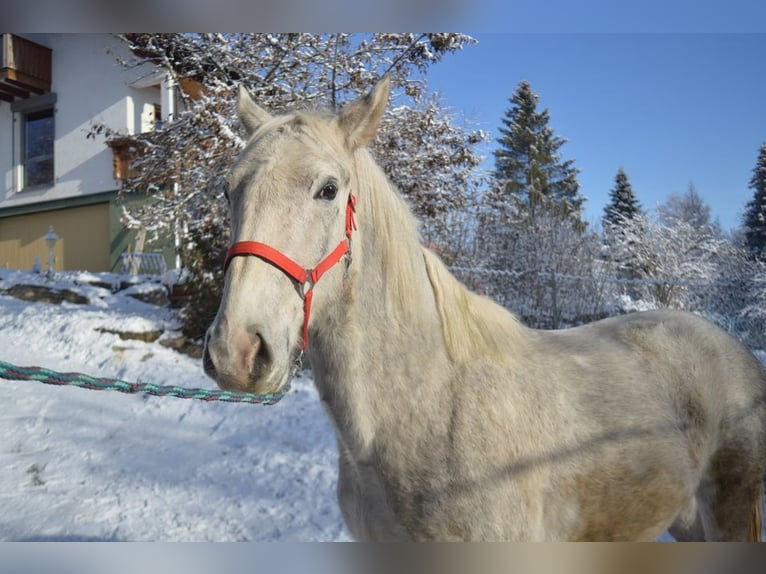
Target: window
x,y
157,114
37,148
34,135
151,117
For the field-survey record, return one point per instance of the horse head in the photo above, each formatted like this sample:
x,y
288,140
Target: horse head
x,y
291,202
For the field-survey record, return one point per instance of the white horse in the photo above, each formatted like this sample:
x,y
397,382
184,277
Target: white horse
x,y
453,420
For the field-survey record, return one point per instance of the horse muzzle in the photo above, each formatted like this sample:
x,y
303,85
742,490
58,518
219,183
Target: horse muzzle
x,y
243,363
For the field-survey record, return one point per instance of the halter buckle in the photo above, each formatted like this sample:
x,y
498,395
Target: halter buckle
x,y
347,261
307,286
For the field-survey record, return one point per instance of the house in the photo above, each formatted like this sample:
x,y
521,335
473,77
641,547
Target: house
x,y
54,171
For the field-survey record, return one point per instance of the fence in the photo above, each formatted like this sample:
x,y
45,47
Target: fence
x,y
143,263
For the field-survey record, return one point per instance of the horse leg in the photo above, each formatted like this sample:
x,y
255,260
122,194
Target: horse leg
x,y
756,522
689,524
363,501
735,494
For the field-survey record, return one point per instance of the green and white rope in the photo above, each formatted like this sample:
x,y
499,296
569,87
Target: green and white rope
x,y
12,372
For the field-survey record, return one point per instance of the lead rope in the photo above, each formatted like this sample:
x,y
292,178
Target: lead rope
x,y
13,372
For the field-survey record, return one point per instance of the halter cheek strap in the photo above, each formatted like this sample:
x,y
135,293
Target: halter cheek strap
x,y
305,279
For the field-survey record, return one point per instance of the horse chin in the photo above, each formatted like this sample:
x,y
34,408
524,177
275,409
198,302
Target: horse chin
x,y
274,383
277,381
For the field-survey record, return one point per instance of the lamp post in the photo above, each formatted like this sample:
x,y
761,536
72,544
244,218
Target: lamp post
x,y
50,239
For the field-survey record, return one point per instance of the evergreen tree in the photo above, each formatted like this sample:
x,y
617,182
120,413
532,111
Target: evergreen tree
x,y
530,174
623,204
755,212
622,219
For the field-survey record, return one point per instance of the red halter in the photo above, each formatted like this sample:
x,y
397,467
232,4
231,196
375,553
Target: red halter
x,y
305,279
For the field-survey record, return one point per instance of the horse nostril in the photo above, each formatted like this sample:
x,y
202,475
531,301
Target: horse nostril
x,y
238,360
207,361
259,356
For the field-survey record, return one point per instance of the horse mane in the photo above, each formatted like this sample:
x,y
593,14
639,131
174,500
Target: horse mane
x,y
396,238
472,325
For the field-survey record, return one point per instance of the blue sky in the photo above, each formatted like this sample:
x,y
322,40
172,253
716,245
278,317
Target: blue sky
x,y
669,108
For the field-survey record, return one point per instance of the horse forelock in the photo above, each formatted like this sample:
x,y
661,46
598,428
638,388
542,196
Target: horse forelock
x,y
284,141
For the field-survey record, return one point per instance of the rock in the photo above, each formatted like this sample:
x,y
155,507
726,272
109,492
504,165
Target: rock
x,y
157,296
145,336
183,345
103,285
40,293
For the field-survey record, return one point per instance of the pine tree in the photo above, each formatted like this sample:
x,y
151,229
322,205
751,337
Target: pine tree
x,y
755,211
623,204
530,175
622,219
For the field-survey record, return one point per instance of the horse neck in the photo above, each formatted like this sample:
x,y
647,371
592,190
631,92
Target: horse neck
x,y
379,353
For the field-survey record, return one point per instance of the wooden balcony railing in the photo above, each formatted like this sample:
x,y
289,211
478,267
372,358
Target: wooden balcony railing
x,y
25,68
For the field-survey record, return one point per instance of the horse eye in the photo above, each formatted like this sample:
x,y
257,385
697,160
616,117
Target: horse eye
x,y
328,192
225,187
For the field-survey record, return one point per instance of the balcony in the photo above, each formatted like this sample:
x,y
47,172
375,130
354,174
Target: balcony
x,y
25,68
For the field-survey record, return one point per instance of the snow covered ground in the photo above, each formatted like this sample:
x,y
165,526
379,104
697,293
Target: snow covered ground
x,y
78,465
83,465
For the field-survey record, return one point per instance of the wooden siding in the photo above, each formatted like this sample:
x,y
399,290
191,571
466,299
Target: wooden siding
x,y
84,242
25,67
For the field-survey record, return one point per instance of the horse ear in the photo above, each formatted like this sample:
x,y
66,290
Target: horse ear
x,y
251,114
360,118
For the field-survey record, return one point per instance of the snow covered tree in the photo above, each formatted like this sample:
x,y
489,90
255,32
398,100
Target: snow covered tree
x,y
623,208
623,203
755,211
530,226
687,208
530,175
286,71
178,166
547,270
676,265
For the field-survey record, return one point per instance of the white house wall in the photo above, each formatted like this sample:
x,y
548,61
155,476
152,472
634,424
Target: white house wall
x,y
6,148
91,87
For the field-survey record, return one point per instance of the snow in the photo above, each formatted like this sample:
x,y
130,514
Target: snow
x,y
82,465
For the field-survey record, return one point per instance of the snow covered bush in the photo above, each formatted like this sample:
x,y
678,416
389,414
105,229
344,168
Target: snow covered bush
x,y
208,245
680,265
547,270
673,265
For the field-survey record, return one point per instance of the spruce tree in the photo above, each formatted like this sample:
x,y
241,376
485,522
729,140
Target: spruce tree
x,y
623,204
623,223
530,175
755,211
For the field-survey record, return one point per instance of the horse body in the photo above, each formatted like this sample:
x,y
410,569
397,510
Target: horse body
x,y
454,421
612,431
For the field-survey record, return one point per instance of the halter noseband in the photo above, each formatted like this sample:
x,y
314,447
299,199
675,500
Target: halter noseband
x,y
305,279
